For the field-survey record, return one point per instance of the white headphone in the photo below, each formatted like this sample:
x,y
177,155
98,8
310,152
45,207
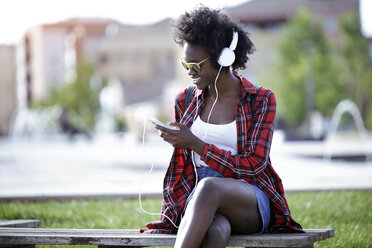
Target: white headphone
x,y
227,56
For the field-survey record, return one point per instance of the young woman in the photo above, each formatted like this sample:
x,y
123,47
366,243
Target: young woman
x,y
220,180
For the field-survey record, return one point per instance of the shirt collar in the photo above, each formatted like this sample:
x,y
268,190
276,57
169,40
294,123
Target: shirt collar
x,y
247,87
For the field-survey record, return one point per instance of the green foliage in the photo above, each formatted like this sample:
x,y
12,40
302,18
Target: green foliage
x,y
349,213
357,65
305,59
80,97
313,75
121,123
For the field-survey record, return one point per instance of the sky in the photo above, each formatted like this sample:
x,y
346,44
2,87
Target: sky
x,y
16,16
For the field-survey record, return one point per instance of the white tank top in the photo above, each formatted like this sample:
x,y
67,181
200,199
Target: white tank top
x,y
224,136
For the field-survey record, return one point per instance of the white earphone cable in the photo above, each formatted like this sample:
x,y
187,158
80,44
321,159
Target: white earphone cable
x,y
146,176
215,101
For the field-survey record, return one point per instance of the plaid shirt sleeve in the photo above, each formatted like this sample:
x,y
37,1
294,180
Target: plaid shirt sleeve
x,y
250,162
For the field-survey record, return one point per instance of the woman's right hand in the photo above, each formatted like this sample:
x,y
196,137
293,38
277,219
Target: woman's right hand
x,y
182,138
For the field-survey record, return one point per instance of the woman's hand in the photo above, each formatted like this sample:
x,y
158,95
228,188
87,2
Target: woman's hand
x,y
182,138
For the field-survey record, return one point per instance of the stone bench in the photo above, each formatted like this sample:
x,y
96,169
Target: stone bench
x,y
10,236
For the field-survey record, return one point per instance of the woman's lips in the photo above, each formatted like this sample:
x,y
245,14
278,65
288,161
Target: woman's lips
x,y
195,80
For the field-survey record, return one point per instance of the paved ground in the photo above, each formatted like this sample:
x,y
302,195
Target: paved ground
x,y
116,165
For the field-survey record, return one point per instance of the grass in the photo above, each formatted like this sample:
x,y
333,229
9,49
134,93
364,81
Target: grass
x,y
349,213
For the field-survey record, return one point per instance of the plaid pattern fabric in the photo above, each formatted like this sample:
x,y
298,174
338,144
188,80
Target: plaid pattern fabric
x,y
252,162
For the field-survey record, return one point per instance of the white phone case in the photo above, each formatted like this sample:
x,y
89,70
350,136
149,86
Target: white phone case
x,y
159,123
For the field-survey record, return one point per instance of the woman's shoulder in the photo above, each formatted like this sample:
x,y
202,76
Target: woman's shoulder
x,y
181,94
256,95
265,96
256,91
185,93
250,88
265,92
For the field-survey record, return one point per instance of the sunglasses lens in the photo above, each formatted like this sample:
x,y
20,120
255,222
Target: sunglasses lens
x,y
185,65
195,67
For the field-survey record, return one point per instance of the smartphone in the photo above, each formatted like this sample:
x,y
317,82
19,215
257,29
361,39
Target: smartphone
x,y
159,123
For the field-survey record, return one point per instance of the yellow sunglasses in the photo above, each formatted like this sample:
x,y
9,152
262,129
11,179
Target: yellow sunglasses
x,y
193,65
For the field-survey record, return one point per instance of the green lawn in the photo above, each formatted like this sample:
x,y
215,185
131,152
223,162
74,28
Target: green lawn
x,y
349,213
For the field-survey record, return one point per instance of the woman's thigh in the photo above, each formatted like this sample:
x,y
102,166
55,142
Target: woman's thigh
x,y
235,200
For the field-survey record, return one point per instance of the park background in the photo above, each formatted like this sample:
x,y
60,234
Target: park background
x,y
75,93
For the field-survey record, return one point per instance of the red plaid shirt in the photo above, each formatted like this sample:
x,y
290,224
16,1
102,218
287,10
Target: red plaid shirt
x,y
251,163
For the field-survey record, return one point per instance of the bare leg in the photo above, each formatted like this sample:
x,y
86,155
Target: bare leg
x,y
231,198
218,233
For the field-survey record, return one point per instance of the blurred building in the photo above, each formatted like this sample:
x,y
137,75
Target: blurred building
x,y
7,87
141,58
48,54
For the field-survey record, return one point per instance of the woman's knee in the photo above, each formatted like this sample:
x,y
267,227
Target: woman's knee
x,y
208,188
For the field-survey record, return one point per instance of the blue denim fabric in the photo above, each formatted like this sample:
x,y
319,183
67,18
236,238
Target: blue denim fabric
x,y
263,206
207,171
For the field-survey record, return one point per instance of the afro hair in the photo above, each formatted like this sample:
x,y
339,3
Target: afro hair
x,y
212,30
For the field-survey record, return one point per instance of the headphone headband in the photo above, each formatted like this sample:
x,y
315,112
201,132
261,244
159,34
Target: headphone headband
x,y
234,41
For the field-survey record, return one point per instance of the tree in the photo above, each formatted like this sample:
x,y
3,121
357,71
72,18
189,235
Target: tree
x,y
357,66
80,97
307,76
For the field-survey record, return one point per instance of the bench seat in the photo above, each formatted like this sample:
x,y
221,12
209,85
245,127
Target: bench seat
x,y
132,238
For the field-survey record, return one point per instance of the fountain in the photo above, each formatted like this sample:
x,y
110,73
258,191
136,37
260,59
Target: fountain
x,y
350,147
34,124
111,103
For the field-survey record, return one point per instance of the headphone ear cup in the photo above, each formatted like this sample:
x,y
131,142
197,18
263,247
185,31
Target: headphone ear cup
x,y
227,57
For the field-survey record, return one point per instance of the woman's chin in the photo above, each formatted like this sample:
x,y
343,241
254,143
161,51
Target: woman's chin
x,y
197,82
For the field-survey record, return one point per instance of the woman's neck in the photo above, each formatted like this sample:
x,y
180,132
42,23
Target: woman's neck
x,y
228,85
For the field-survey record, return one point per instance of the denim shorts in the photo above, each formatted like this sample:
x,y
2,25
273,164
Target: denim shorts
x,y
262,199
